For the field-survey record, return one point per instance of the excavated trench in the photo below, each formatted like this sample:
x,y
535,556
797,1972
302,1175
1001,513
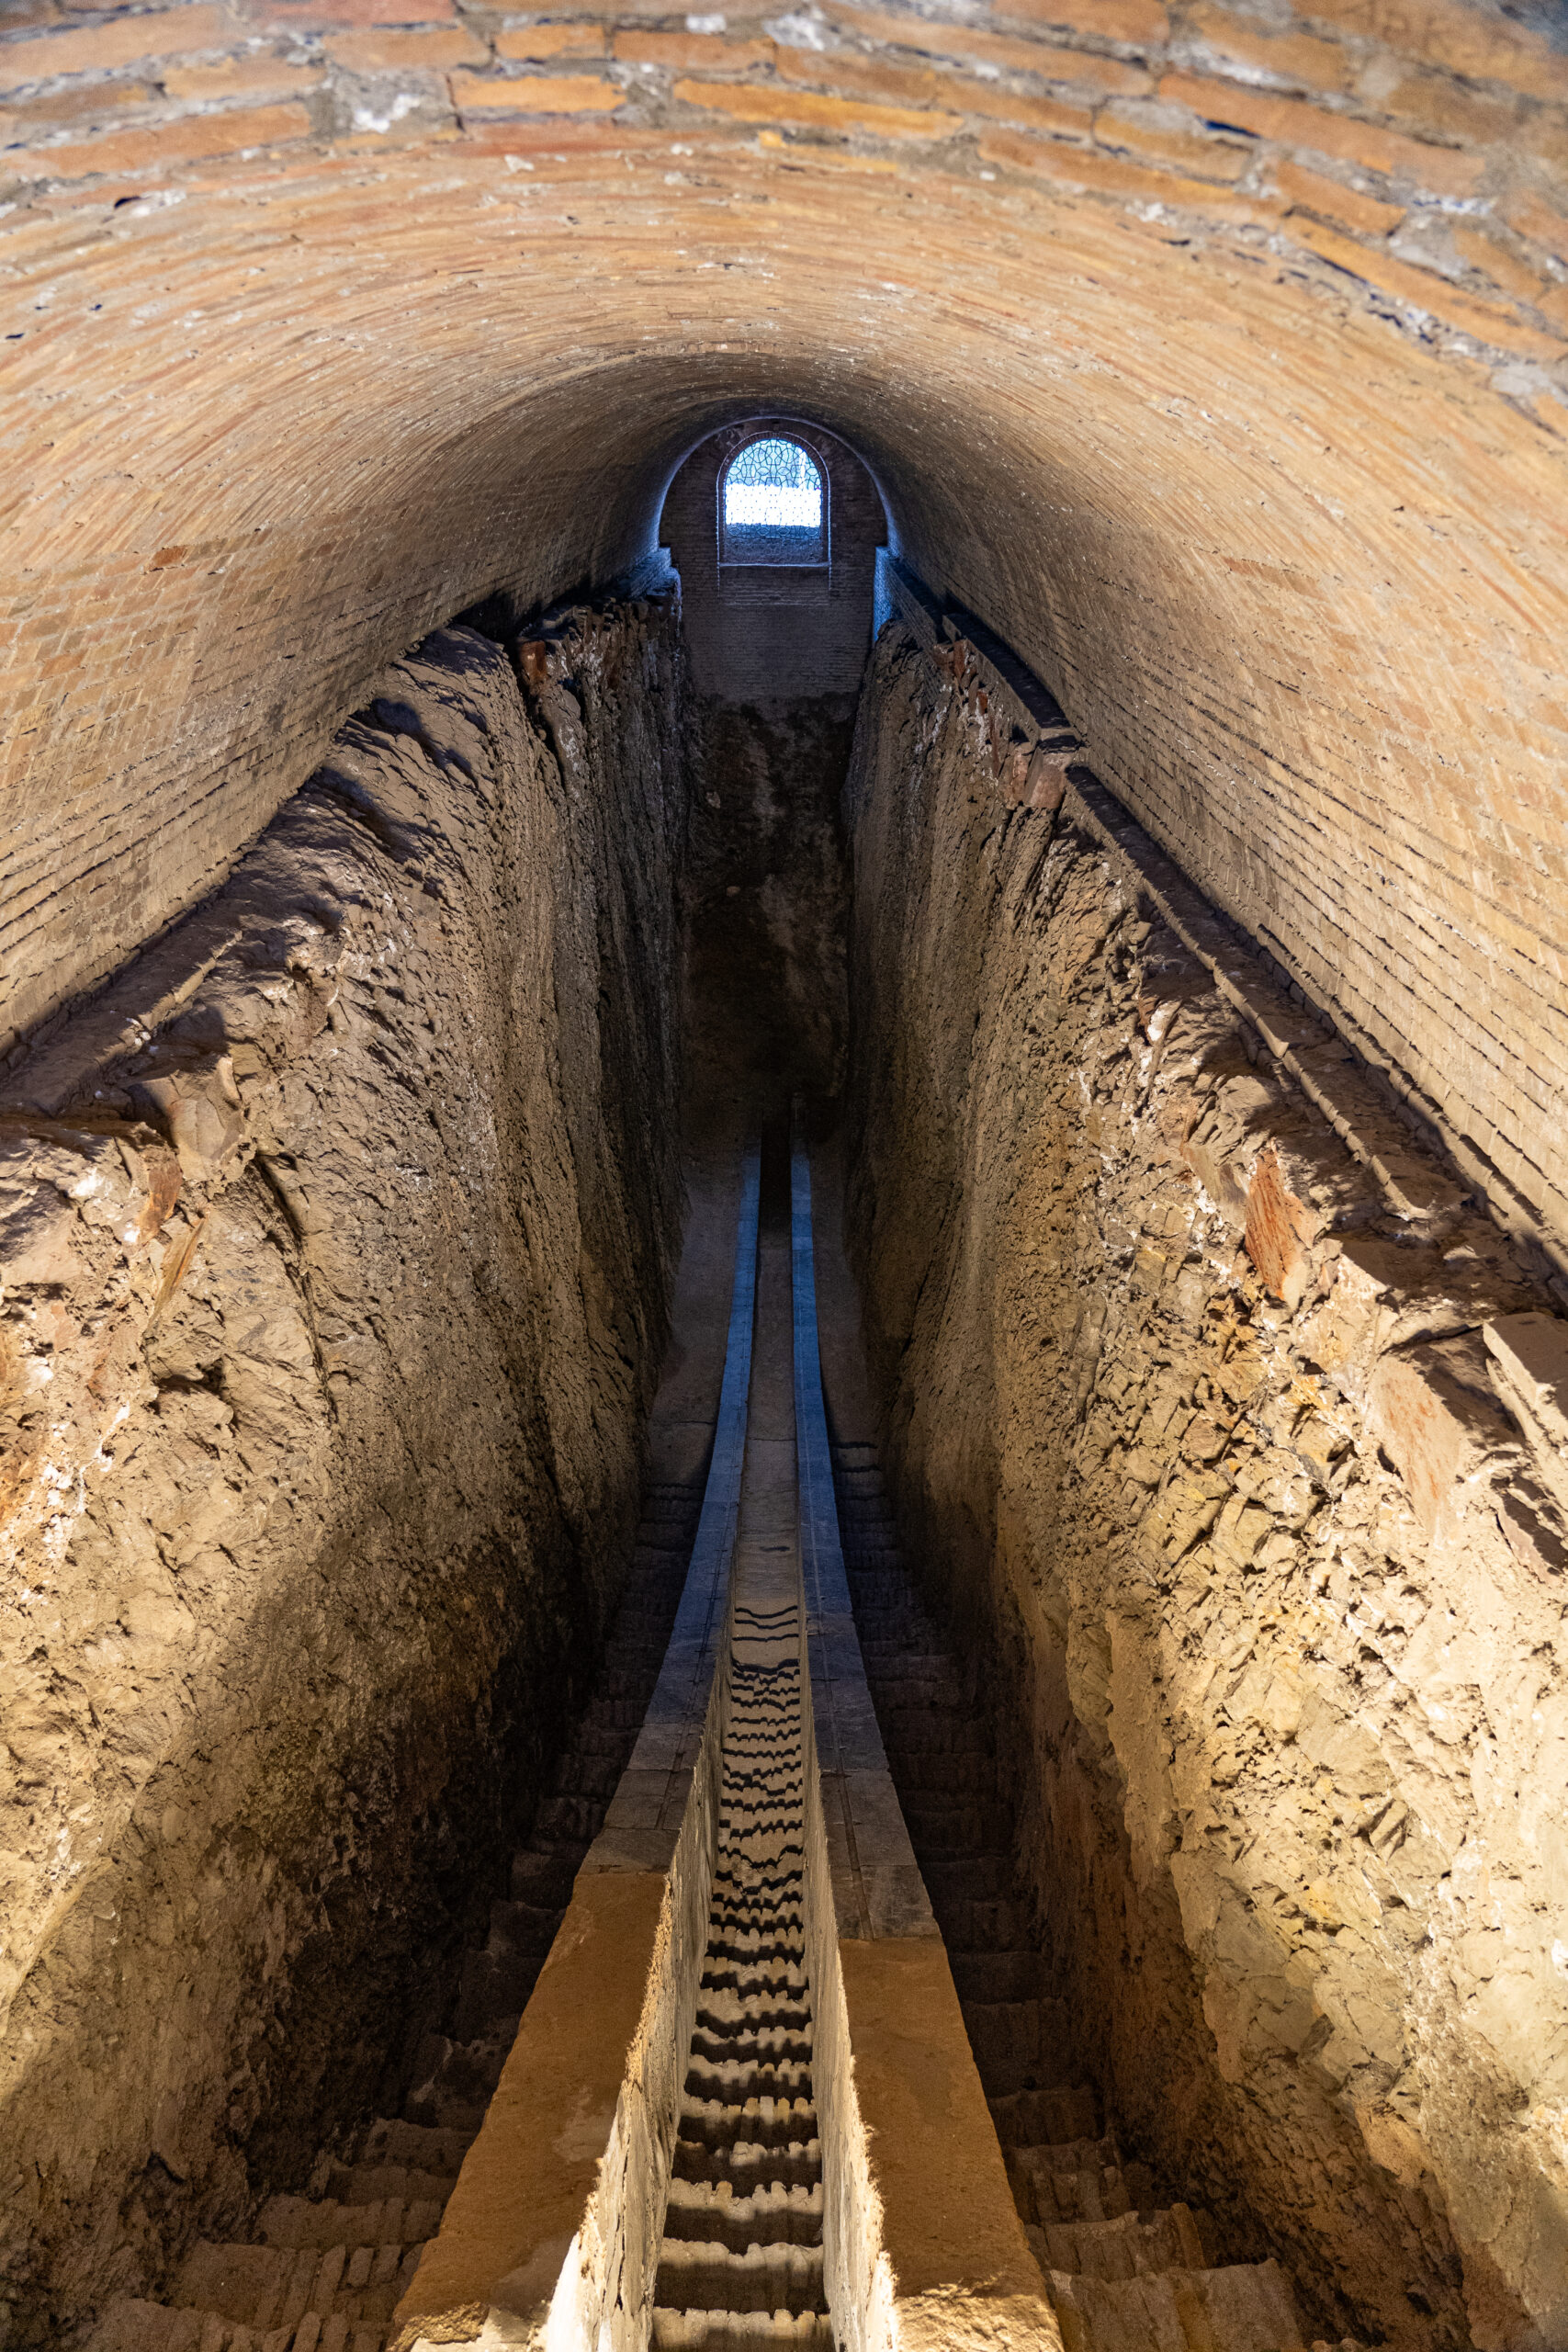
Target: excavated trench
x,y
878,1965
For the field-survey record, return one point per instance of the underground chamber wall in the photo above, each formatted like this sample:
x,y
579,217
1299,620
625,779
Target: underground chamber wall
x,y
969,1187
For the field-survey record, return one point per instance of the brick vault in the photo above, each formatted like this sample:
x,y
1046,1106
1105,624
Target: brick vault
x,y
428,864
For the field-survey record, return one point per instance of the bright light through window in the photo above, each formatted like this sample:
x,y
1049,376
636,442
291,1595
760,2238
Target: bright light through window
x,y
774,484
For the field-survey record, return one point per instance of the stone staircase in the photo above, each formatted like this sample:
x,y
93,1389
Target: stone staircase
x,y
1124,2273
741,2261
325,2270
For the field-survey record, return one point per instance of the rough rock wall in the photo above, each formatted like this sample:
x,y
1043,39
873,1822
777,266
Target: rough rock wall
x,y
336,1248
767,1012
1220,342
1220,1413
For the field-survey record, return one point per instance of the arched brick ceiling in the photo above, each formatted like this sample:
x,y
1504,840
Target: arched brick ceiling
x,y
1215,357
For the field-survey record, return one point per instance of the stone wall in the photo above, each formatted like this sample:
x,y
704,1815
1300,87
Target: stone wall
x,y
1238,1434
335,1251
758,634
1216,352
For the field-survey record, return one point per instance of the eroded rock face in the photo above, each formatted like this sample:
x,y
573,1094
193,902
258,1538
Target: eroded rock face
x,y
335,1249
1245,1451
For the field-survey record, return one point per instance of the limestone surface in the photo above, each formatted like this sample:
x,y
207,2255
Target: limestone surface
x,y
1230,1428
335,1243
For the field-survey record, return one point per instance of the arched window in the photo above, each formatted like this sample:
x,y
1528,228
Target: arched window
x,y
773,506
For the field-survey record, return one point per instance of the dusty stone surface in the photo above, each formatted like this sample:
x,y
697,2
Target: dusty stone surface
x,y
1245,1455
337,1245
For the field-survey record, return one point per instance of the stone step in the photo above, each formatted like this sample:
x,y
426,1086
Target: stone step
x,y
675,1499
1127,2245
1057,2112
617,1680
1077,2181
659,1541
774,2214
595,1748
437,2149
617,1714
1010,2050
981,1923
747,2165
633,1652
916,1732
769,1980
765,2121
1244,2308
132,2325
739,1938
725,1972
639,1625
270,2288
523,1927
728,2009
739,2331
749,1810
365,2184
323,2223
736,2082
743,1946
697,2277
914,1678
970,1878
594,1775
744,2044
455,2081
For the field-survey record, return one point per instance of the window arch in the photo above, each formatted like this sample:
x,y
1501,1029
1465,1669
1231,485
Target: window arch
x,y
772,505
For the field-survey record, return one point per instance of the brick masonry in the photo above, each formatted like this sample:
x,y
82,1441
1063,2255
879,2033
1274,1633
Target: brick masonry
x,y
739,649
1218,362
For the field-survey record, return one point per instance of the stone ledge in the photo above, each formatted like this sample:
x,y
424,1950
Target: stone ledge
x,y
1380,1114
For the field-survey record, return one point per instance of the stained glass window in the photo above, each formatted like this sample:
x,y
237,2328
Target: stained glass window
x,y
773,482
771,508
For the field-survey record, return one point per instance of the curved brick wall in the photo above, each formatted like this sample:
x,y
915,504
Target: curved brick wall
x,y
1216,358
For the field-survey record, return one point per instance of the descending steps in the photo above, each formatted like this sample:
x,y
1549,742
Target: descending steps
x,y
741,2261
1124,2274
324,2271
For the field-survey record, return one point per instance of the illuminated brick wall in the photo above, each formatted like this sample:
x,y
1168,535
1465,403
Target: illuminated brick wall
x,y
1217,362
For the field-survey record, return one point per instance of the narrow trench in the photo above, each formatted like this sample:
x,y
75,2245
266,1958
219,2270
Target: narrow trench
x,y
741,2258
743,2227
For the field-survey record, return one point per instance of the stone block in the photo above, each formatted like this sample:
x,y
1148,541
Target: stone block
x,y
125,41
1530,1373
534,94
575,37
37,1232
1433,1410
